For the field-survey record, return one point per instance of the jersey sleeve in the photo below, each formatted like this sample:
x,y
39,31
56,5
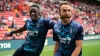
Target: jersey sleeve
x,y
55,37
80,34
49,23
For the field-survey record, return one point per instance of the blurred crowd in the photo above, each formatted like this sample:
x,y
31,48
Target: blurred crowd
x,y
90,17
86,14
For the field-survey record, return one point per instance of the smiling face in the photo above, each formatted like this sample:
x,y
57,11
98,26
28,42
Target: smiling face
x,y
34,13
65,13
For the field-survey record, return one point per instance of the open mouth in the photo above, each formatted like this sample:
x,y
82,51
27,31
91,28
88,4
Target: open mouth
x,y
67,17
33,17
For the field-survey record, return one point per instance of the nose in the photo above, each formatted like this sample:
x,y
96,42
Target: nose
x,y
66,12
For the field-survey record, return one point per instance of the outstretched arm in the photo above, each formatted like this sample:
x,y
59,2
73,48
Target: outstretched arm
x,y
19,30
15,31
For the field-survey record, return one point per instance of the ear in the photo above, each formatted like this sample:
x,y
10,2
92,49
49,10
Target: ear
x,y
39,14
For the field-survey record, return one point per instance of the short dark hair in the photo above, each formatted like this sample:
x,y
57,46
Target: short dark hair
x,y
37,6
63,3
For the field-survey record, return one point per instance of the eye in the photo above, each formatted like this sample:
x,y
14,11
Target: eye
x,y
64,10
33,11
69,10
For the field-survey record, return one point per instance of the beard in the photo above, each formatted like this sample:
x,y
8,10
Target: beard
x,y
66,19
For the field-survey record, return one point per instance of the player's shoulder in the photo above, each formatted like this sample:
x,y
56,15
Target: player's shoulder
x,y
28,20
58,24
75,23
46,19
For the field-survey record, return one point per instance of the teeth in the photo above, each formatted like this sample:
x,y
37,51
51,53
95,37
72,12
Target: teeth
x,y
32,17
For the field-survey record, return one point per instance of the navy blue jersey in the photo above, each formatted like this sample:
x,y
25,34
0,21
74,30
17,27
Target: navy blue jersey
x,y
67,35
37,31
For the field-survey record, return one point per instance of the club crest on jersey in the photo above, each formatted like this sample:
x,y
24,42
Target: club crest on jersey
x,y
37,25
71,30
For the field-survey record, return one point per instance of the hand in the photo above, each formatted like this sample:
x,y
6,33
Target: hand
x,y
7,35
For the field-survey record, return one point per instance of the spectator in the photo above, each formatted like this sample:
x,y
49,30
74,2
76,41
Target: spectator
x,y
25,10
8,7
2,17
10,18
2,21
56,18
17,15
1,6
19,7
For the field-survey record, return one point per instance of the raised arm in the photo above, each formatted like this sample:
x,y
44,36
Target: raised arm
x,y
15,31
